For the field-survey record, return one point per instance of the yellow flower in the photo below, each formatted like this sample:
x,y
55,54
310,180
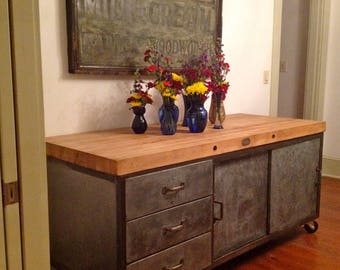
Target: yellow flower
x,y
160,86
135,104
166,93
136,96
177,77
196,88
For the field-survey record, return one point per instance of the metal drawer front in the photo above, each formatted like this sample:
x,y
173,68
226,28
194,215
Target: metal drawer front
x,y
157,191
153,233
194,254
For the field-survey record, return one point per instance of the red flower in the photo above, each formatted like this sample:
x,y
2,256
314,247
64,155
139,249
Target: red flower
x,y
160,69
151,68
151,85
177,85
146,97
167,84
159,65
218,88
130,99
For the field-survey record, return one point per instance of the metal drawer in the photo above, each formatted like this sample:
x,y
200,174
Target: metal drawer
x,y
152,192
153,233
194,254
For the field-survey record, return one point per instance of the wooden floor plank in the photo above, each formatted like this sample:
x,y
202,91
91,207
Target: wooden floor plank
x,y
302,251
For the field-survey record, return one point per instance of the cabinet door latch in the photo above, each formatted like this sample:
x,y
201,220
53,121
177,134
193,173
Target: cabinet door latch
x,y
10,193
220,211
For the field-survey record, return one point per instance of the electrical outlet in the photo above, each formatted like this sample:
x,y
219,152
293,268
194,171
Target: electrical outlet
x,y
266,74
283,66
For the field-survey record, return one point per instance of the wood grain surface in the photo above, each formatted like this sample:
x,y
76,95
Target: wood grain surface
x,y
122,152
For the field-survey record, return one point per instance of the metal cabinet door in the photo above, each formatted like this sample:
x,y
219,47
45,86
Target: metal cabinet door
x,y
295,181
241,196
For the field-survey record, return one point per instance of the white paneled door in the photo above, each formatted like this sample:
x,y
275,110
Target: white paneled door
x,y
23,182
10,231
2,234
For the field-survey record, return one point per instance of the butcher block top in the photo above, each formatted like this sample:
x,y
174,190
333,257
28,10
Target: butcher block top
x,y
121,152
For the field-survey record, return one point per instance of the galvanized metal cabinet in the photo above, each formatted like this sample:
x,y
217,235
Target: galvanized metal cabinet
x,y
190,216
295,184
240,194
264,192
156,220
82,217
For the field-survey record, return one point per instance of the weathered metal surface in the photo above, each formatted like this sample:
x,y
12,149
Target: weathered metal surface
x,y
150,234
194,254
241,186
109,35
156,191
85,233
294,184
82,216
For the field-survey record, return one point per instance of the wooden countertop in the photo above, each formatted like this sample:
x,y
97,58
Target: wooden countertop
x,y
122,152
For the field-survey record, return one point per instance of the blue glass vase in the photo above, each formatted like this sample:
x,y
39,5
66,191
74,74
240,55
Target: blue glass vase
x,y
197,115
168,116
139,124
186,101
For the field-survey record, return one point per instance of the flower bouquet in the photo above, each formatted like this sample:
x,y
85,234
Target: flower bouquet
x,y
218,86
196,72
169,85
138,100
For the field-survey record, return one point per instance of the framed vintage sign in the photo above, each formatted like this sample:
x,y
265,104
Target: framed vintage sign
x,y
110,36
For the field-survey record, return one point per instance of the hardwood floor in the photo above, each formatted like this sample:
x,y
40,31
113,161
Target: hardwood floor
x,y
301,250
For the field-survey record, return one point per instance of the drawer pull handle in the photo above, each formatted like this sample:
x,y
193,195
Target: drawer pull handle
x,y
174,228
178,266
166,190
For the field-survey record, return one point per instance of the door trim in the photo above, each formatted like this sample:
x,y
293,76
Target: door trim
x,y
276,52
10,214
316,58
29,120
3,256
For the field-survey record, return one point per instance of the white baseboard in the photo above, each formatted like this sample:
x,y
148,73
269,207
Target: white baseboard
x,y
331,167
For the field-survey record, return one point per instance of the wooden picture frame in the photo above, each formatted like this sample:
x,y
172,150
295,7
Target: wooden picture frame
x,y
110,36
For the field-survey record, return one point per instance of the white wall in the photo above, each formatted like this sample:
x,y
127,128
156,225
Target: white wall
x,y
332,92
247,37
77,103
294,53
74,102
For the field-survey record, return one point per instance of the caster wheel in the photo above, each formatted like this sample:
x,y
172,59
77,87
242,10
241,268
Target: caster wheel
x,y
311,228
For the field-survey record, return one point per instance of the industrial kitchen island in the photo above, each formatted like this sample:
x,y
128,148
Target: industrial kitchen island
x,y
119,200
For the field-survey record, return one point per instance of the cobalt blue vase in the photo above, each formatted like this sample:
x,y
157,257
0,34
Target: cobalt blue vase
x,y
186,101
168,116
139,124
197,115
